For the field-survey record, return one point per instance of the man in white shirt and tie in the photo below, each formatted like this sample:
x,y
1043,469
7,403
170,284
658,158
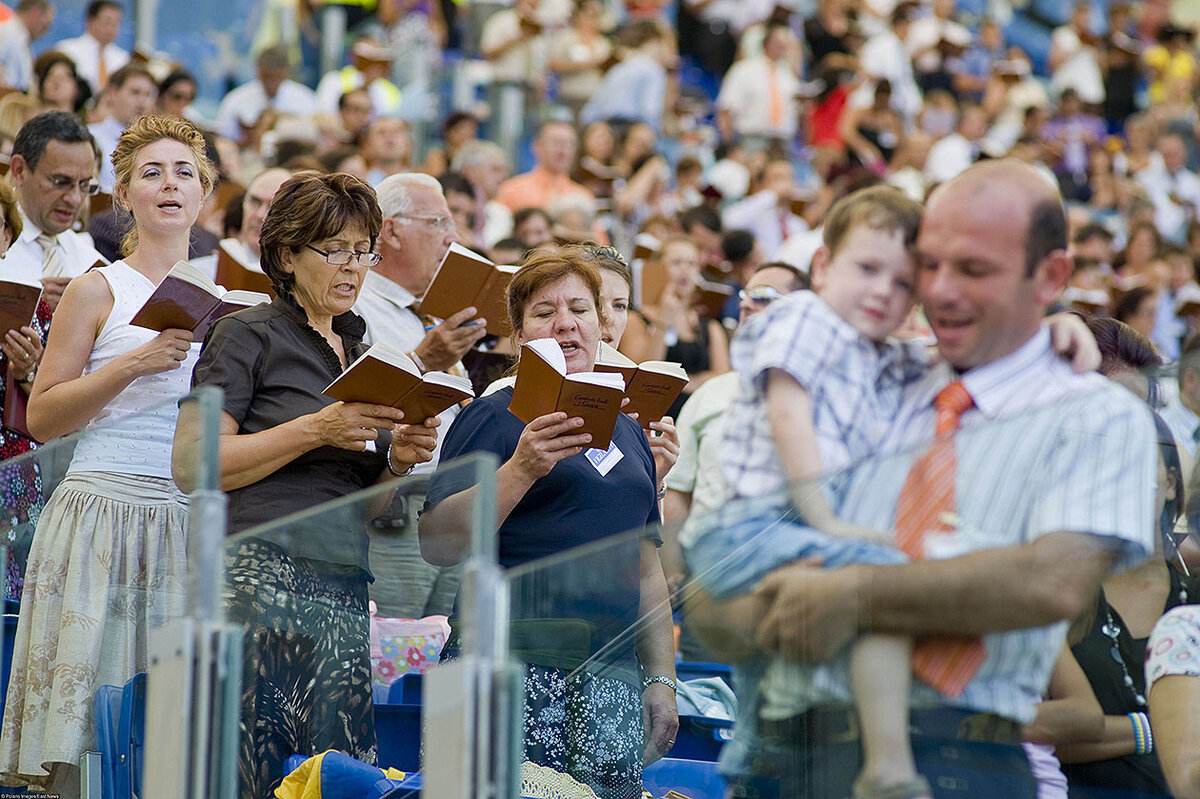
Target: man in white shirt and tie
x,y
53,169
417,231
95,53
758,95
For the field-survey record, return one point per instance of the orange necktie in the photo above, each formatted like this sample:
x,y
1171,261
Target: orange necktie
x,y
946,662
102,72
776,108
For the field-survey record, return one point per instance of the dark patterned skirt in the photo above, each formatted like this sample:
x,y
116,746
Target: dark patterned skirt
x,y
306,675
586,726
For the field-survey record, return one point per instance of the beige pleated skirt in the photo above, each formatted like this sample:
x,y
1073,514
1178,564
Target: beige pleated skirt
x,y
107,564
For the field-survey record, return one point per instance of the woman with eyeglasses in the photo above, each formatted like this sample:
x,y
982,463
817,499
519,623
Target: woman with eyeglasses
x,y
286,447
109,555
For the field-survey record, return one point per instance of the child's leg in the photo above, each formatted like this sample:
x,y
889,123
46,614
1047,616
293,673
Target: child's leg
x,y
880,676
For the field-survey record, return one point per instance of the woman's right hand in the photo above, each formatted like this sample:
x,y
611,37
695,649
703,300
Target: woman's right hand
x,y
23,348
350,425
166,351
545,441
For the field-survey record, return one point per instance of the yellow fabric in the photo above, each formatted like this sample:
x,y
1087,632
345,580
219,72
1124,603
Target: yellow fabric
x,y
304,782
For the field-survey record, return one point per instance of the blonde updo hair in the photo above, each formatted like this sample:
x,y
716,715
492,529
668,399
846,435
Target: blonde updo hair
x,y
144,132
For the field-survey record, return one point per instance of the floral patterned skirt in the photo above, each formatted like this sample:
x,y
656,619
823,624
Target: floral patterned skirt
x,y
108,563
586,726
306,669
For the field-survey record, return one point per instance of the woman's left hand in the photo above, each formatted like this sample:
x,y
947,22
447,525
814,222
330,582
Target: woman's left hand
x,y
665,447
413,444
23,348
1070,338
660,721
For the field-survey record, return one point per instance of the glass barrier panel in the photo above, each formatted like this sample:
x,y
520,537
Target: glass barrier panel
x,y
321,669
792,614
96,537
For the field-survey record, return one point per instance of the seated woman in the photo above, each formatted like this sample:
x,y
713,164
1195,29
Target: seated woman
x,y
550,498
670,328
20,352
109,557
286,447
1112,652
1173,678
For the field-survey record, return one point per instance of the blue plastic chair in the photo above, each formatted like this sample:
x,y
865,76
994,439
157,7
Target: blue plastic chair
x,y
12,609
696,670
701,738
693,778
406,690
106,723
131,737
398,733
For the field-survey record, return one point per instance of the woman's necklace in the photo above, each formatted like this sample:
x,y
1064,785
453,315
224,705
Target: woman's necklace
x,y
1113,632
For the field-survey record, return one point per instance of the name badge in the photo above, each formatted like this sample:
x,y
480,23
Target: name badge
x,y
604,459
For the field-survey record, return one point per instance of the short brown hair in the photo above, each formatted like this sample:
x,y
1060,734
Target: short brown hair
x,y
144,132
544,266
878,207
311,206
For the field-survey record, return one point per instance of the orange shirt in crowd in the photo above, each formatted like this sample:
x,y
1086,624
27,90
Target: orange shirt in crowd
x,y
537,188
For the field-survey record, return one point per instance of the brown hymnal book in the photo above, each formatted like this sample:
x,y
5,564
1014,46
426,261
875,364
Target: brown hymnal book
x,y
651,386
464,279
543,386
384,375
710,298
187,300
18,304
99,202
236,276
646,246
650,279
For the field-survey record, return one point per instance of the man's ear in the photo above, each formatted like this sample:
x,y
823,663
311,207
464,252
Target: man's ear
x,y
19,169
389,235
819,267
1051,276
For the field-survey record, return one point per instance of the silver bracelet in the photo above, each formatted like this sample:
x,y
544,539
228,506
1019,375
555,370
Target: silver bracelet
x,y
662,678
391,469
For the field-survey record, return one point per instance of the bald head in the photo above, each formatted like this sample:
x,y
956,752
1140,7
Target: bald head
x,y
257,203
1013,189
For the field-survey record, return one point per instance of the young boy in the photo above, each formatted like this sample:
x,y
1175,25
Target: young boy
x,y
820,381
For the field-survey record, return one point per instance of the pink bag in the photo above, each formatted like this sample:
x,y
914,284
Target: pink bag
x,y
405,646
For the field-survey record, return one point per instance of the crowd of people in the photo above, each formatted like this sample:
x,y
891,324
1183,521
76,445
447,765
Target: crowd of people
x,y
886,250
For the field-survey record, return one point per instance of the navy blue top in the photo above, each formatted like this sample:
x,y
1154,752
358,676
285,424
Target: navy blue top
x,y
573,504
570,506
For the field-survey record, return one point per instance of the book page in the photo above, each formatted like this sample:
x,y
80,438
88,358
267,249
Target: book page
x,y
186,272
664,368
606,379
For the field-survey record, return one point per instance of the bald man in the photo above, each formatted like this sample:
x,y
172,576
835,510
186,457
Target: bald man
x,y
1055,484
255,204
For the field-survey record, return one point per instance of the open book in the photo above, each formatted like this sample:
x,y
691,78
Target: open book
x,y
18,304
543,386
235,275
464,279
651,386
384,375
186,299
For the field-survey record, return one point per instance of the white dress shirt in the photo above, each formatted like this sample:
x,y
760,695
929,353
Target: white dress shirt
x,y
86,52
15,58
1171,218
762,215
242,107
106,134
746,95
23,261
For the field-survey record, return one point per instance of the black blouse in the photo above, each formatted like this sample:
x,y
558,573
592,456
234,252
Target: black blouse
x,y
274,367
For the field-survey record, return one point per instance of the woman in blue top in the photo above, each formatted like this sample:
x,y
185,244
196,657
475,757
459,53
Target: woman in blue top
x,y
551,496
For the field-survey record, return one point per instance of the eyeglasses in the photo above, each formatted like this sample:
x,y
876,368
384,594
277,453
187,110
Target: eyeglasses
x,y
343,257
760,295
438,221
62,183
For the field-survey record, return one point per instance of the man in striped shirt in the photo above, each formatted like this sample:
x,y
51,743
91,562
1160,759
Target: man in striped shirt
x,y
1055,487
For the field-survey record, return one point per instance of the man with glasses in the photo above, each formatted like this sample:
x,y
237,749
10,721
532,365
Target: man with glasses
x,y
53,169
255,204
417,231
